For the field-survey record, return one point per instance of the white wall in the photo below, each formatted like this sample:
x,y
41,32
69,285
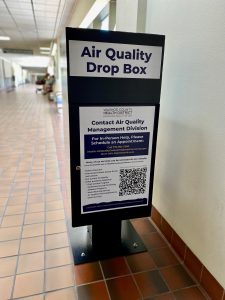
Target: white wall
x,y
80,10
126,15
7,69
2,83
190,167
17,70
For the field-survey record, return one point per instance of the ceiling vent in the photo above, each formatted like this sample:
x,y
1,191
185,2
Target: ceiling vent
x,y
17,51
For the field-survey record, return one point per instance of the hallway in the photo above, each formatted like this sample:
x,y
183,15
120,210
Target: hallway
x,y
35,257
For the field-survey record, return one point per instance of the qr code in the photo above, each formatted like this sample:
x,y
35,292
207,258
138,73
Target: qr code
x,y
132,181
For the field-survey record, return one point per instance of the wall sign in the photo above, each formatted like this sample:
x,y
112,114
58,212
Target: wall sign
x,y
114,83
114,60
115,148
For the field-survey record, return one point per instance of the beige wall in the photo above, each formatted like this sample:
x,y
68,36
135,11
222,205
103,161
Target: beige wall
x,y
189,187
126,15
80,10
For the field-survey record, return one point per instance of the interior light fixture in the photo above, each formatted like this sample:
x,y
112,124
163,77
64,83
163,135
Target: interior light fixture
x,y
45,48
54,49
96,8
5,38
45,52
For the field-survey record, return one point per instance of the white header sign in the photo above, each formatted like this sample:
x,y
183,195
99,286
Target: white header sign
x,y
95,59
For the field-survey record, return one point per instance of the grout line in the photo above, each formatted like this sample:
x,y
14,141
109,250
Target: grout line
x,y
172,236
91,282
201,273
185,252
105,280
132,275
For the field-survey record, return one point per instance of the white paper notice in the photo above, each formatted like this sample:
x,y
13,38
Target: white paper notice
x,y
116,148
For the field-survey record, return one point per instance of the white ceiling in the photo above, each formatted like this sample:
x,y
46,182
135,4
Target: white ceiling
x,y
32,24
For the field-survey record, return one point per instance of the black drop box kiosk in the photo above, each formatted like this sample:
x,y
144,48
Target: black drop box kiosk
x,y
114,84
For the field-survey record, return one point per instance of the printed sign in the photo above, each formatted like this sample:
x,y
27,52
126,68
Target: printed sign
x,y
114,84
115,149
95,59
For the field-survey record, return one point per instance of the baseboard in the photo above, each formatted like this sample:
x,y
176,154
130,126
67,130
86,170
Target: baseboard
x,y
195,266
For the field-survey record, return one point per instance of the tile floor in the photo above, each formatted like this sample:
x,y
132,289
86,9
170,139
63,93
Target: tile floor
x,y
35,255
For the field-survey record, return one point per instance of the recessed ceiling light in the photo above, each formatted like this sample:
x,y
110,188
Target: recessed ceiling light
x,y
45,48
4,38
54,49
45,53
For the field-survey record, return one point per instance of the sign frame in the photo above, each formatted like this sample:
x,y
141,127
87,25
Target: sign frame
x,y
103,91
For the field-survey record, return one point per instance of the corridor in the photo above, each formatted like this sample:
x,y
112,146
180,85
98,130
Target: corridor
x,y
35,256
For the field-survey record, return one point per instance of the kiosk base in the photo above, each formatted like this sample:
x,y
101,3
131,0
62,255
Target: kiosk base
x,y
97,242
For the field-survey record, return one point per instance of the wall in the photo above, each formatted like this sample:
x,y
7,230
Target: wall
x,y
2,83
126,15
17,70
80,10
190,166
7,70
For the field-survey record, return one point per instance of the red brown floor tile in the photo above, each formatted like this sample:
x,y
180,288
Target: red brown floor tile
x,y
153,240
176,277
87,273
143,226
140,262
93,291
192,293
164,257
122,288
114,267
151,283
167,296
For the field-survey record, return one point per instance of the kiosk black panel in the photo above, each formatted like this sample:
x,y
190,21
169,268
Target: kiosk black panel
x,y
114,84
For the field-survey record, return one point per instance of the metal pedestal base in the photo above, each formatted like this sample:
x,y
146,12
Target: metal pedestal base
x,y
87,248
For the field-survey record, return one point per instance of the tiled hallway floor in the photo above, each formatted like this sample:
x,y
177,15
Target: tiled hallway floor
x,y
35,256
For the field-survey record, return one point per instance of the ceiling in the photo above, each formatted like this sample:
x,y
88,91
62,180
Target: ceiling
x,y
32,24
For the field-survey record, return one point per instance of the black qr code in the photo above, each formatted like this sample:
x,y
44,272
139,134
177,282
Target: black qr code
x,y
132,181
